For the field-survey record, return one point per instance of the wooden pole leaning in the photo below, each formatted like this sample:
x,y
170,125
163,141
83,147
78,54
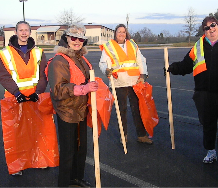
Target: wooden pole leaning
x,y
95,133
170,108
118,114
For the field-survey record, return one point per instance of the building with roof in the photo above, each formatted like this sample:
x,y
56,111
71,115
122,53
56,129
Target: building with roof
x,y
2,41
51,35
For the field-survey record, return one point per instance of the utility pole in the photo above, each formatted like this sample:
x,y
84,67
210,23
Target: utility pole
x,y
127,21
23,8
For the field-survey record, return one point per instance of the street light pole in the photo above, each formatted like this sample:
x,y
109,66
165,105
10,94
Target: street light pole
x,y
23,9
127,20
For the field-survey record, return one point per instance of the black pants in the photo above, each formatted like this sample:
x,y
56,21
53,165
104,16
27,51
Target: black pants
x,y
207,107
122,94
73,150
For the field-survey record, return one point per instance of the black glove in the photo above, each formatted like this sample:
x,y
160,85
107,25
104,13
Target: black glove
x,y
33,97
20,97
108,72
170,69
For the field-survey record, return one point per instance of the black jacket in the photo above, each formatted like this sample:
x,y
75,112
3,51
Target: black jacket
x,y
207,80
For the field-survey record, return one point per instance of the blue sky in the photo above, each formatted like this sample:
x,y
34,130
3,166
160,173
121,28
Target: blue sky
x,y
156,15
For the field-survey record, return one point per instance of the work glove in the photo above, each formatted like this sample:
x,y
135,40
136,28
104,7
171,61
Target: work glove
x,y
20,97
33,97
170,69
84,89
108,72
165,71
142,78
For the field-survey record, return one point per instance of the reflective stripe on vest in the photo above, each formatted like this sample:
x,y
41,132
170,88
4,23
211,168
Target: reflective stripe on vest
x,y
122,62
197,56
22,82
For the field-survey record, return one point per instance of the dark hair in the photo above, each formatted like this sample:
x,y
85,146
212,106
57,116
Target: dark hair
x,y
22,22
208,19
127,33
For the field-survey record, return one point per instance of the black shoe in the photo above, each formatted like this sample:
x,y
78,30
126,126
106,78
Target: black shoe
x,y
81,183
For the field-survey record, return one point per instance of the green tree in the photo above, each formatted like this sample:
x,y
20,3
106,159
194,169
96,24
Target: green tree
x,y
216,14
200,30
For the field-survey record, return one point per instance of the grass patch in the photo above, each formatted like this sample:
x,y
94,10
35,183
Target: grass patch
x,y
46,46
183,44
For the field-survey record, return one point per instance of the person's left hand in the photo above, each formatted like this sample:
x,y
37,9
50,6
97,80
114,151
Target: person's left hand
x,y
33,97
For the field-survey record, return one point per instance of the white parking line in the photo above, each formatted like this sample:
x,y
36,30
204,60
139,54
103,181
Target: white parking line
x,y
176,89
122,175
177,115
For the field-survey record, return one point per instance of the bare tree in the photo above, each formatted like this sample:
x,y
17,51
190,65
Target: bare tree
x,y
166,33
67,17
180,34
2,31
164,36
146,35
190,26
136,37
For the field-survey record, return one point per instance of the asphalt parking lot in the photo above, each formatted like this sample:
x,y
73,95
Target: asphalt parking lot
x,y
144,165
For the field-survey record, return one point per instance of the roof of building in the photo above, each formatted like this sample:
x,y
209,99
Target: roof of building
x,y
48,29
54,28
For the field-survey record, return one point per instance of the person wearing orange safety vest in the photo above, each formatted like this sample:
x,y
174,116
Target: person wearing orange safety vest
x,y
68,77
202,61
122,58
22,66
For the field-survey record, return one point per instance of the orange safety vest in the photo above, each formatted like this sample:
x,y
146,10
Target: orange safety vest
x,y
122,62
197,55
103,95
77,76
25,75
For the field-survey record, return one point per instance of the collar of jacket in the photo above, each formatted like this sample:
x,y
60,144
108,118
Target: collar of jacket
x,y
13,41
69,51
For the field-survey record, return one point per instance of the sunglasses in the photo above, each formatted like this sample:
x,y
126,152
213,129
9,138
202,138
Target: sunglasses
x,y
75,38
206,28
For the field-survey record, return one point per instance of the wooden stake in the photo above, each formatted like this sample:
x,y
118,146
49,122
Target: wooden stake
x,y
95,133
118,114
170,108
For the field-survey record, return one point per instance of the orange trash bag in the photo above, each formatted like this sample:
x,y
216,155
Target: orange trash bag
x,y
146,106
105,101
29,134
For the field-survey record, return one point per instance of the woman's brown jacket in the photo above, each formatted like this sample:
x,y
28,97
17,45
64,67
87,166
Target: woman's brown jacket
x,y
70,108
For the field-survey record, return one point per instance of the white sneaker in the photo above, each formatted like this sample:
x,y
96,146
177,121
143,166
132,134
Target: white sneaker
x,y
211,156
17,173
